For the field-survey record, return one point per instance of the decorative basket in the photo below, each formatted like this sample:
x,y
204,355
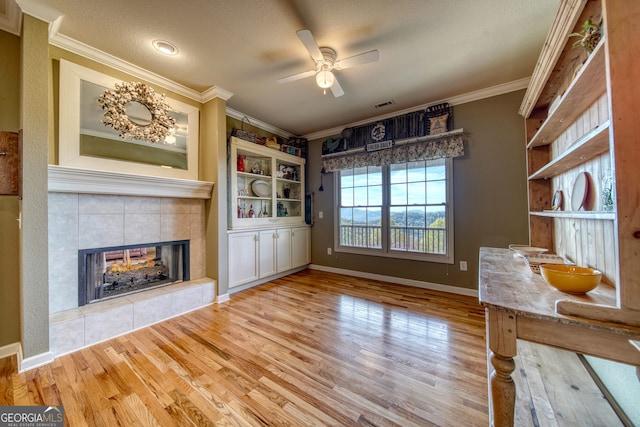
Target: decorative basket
x,y
242,134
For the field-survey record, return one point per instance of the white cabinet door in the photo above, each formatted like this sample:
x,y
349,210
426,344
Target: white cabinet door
x,y
300,250
283,249
267,253
243,257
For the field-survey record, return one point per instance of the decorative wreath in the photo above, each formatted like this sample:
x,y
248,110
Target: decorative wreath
x,y
115,102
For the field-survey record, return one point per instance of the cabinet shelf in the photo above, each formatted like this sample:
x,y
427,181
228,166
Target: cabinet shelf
x,y
576,214
253,175
281,197
586,88
586,148
291,181
253,198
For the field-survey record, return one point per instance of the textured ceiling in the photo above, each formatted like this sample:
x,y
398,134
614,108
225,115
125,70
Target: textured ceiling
x,y
430,50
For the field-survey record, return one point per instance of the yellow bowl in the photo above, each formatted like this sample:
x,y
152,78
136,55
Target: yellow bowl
x,y
570,278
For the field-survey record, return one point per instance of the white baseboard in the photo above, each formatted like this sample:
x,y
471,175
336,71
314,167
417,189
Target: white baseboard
x,y
10,350
35,361
399,280
222,298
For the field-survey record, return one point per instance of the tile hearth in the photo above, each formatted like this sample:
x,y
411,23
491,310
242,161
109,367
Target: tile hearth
x,y
73,329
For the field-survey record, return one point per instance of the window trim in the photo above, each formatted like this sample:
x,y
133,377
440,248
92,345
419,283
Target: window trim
x,y
385,252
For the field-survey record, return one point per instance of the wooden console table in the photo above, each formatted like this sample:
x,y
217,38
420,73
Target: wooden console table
x,y
521,305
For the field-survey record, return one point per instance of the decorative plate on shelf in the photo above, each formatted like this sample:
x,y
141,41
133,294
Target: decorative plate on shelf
x,y
580,193
261,188
556,203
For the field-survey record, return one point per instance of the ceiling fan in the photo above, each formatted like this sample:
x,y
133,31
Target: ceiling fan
x,y
326,64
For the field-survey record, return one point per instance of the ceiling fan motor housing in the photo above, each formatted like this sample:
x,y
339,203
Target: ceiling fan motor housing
x,y
328,58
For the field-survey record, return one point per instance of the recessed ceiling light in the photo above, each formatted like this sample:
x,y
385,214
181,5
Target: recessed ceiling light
x,y
165,47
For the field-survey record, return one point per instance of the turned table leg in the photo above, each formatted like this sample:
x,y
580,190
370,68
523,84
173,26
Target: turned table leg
x,y
501,339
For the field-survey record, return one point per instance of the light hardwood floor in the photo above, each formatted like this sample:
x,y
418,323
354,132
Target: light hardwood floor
x,y
313,348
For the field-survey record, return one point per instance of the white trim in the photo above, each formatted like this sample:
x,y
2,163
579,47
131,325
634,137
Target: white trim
x,y
222,298
11,20
456,100
385,251
86,51
35,361
42,12
215,92
398,280
257,123
89,52
64,179
71,75
10,350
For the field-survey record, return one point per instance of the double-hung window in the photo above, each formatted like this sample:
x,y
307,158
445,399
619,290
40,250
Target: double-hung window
x,y
402,210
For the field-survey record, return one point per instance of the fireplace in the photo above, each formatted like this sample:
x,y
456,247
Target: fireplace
x,y
110,272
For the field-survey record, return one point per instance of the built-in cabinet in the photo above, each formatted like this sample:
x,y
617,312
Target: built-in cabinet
x,y
266,186
582,153
267,232
262,253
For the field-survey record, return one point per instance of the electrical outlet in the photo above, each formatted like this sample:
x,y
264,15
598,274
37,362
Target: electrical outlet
x,y
321,215
328,251
463,265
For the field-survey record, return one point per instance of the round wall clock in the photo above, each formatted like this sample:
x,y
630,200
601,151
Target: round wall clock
x,y
378,132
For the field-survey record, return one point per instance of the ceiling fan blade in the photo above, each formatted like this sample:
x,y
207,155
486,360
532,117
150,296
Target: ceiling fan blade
x,y
336,89
361,58
298,76
309,42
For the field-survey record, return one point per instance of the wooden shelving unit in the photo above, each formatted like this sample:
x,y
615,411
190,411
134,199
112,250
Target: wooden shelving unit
x,y
609,216
588,85
586,148
592,129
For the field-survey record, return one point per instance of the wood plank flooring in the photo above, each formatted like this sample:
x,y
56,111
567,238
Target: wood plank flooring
x,y
313,348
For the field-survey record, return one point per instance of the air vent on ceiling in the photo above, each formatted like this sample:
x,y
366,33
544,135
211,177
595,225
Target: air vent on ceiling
x,y
383,104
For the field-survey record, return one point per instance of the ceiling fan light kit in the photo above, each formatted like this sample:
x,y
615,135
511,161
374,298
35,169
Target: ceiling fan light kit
x,y
325,79
326,64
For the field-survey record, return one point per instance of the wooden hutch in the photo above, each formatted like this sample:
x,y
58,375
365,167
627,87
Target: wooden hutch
x,y
582,123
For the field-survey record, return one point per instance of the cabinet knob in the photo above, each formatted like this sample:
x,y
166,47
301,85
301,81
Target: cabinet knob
x,y
636,234
4,153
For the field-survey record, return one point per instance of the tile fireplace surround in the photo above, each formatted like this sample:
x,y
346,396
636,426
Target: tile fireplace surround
x,y
89,209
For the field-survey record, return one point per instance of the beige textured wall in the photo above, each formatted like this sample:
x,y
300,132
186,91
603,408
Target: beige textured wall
x,y
9,206
213,168
33,237
490,197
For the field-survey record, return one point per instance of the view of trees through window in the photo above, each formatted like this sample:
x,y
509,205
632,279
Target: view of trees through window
x,y
396,208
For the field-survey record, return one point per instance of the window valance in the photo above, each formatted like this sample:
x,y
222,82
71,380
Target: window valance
x,y
449,144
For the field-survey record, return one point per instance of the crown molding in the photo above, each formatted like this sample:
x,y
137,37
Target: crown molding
x,y
257,123
455,100
86,51
215,92
10,20
42,12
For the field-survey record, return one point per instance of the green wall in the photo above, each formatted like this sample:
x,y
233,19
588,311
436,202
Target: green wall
x,y
490,197
34,266
9,205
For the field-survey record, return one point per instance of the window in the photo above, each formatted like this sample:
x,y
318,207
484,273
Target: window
x,y
401,210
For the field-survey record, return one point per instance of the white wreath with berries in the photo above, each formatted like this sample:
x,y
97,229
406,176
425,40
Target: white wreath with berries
x,y
115,102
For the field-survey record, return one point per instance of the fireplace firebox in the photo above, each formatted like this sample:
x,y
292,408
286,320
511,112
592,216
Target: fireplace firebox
x,y
110,272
